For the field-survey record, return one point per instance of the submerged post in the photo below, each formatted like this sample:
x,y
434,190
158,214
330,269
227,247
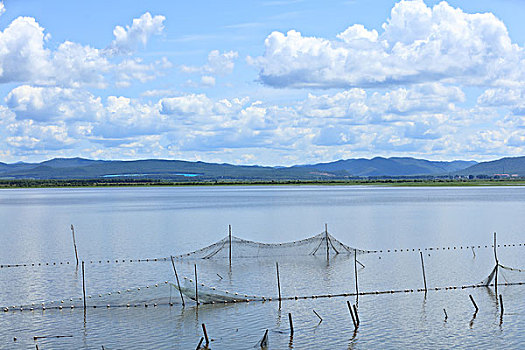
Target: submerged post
x,y
83,287
177,278
196,286
351,314
473,302
423,267
497,265
326,238
74,242
356,315
501,304
230,240
278,281
205,335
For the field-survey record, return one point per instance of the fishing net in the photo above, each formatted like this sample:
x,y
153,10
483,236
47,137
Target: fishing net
x,y
210,295
164,293
321,244
506,275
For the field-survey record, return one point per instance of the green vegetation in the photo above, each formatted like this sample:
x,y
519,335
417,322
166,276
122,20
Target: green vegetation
x,y
149,182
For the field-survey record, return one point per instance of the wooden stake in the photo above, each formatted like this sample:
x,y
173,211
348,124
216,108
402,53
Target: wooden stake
x,y
356,315
83,287
351,314
321,319
177,278
196,286
278,281
473,302
200,343
291,323
264,340
230,239
497,265
423,267
205,334
355,271
74,242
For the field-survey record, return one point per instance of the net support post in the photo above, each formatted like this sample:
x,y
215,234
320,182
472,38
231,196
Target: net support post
x,y
423,268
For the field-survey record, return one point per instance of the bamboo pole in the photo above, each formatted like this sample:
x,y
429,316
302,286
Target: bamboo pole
x,y
320,318
278,281
473,302
423,268
205,334
264,340
74,242
84,287
497,265
177,278
351,314
196,286
355,271
200,343
356,315
291,323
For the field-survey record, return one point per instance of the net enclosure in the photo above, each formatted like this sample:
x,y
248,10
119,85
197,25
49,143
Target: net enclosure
x,y
322,244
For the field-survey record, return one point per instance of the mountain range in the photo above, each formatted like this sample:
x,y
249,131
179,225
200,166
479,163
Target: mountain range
x,y
80,168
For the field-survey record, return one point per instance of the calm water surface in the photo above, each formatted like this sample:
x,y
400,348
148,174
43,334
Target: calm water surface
x,y
132,223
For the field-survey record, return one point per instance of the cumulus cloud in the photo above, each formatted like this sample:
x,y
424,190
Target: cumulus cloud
x,y
357,106
320,127
218,64
22,53
417,44
25,58
52,103
128,39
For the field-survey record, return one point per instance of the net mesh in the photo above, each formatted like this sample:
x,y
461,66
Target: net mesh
x,y
322,243
163,293
506,275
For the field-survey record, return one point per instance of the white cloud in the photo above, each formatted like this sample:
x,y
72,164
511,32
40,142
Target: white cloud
x,y
52,103
22,53
207,81
218,64
130,38
418,44
28,136
25,58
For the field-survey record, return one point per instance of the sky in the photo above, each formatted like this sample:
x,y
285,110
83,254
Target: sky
x,y
273,82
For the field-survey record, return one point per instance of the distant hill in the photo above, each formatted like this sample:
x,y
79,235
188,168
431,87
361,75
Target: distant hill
x,y
179,170
78,168
395,166
508,166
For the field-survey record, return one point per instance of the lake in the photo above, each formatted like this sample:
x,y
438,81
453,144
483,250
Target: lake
x,y
118,224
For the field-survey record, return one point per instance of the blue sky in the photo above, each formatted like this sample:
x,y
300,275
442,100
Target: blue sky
x,y
274,82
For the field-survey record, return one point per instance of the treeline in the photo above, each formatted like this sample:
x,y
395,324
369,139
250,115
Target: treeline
x,y
30,183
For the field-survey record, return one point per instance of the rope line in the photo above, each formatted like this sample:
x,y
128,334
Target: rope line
x,y
118,261
59,305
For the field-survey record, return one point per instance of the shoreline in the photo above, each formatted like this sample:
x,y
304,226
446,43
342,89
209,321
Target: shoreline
x,y
13,184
